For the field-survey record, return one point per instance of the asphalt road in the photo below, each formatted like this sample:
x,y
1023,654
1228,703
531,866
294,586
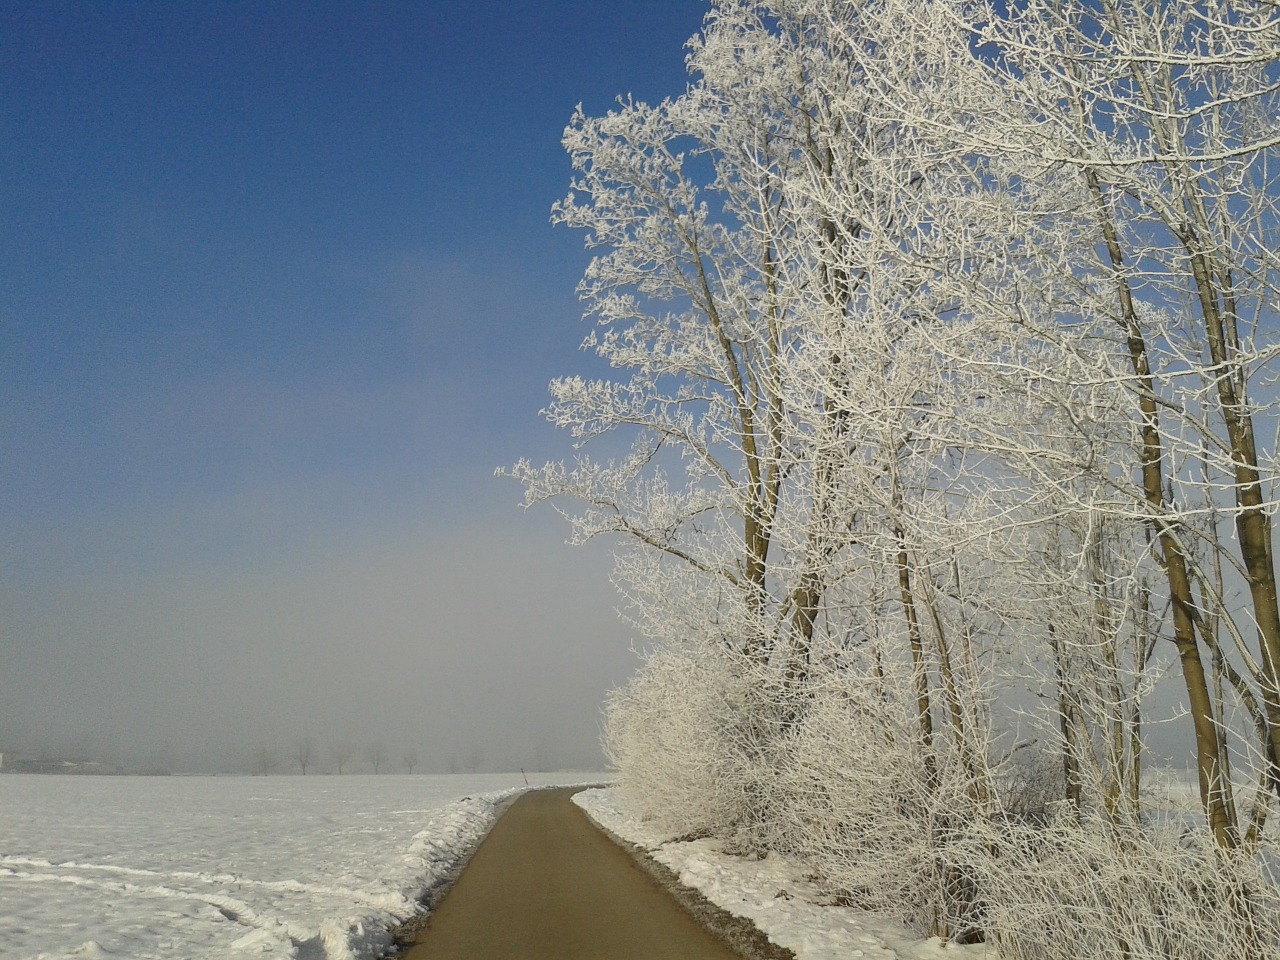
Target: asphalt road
x,y
546,883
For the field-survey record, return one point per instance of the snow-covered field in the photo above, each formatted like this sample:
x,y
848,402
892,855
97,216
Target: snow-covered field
x,y
775,895
186,868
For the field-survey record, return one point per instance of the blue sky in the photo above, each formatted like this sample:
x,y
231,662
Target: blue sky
x,y
278,291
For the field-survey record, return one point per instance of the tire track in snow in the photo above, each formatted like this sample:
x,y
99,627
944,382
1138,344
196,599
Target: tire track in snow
x,y
388,900
237,911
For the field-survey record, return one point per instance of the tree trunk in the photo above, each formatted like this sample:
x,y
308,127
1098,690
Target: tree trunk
x,y
919,669
1207,736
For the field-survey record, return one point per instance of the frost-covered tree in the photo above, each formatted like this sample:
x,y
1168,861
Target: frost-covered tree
x,y
681,297
1165,116
941,335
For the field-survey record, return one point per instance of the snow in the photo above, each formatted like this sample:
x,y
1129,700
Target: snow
x,y
313,868
775,894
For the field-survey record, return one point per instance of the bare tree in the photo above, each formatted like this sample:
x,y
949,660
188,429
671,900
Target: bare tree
x,y
264,760
341,754
304,753
410,758
376,754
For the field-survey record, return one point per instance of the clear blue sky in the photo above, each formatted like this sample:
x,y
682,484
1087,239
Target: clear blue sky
x,y
277,293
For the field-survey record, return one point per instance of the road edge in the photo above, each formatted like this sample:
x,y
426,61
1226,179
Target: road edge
x,y
739,933
405,933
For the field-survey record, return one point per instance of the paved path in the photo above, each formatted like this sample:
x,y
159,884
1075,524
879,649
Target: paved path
x,y
546,883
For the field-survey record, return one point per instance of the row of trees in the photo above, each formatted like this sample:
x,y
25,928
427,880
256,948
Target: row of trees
x,y
304,755
946,342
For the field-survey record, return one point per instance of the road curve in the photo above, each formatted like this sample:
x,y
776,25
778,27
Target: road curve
x,y
546,883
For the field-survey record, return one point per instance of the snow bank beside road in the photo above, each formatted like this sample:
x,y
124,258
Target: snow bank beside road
x,y
774,894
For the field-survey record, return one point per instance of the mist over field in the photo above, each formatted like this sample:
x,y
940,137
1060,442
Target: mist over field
x,y
350,645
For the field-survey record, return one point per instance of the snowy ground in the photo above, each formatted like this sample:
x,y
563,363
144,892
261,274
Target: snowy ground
x,y
188,868
775,895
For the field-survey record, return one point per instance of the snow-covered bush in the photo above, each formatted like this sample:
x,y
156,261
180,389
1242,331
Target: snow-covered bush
x,y
855,797
1083,888
854,802
670,732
